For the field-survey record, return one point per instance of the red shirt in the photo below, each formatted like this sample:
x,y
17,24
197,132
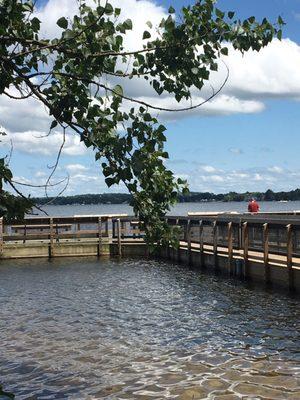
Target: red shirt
x,y
253,207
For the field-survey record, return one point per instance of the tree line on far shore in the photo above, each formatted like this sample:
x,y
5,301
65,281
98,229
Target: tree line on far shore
x,y
124,198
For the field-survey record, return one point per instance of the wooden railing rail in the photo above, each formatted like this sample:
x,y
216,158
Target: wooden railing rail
x,y
1,236
242,237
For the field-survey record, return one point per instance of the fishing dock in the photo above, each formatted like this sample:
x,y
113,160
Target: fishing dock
x,y
262,247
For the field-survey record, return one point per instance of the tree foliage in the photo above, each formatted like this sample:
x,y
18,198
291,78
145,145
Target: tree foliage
x,y
12,207
73,75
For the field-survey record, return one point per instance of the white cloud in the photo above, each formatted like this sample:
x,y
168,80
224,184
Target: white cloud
x,y
76,167
240,180
273,72
23,115
276,169
33,142
208,168
258,177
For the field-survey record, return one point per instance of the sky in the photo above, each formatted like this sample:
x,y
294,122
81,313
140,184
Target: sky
x,y
246,139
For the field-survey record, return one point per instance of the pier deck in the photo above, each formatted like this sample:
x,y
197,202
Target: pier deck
x,y
259,247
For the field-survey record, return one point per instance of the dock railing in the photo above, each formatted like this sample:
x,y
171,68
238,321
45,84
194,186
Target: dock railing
x,y
265,239
268,239
55,230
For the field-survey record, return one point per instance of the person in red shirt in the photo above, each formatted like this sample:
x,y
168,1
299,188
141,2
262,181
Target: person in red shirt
x,y
253,206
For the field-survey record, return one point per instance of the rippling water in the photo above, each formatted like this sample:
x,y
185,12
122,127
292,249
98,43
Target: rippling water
x,y
109,329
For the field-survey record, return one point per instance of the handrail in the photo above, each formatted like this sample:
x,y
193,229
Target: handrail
x,y
221,231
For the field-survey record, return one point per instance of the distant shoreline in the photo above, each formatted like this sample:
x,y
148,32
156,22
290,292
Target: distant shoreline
x,y
193,197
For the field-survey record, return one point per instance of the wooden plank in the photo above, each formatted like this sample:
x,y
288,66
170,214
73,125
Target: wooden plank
x,y
56,233
178,249
188,240
289,255
44,226
215,244
99,248
201,245
51,245
266,252
245,238
230,248
1,237
109,231
119,237
25,233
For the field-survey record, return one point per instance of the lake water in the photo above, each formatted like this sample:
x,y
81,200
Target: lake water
x,y
179,209
128,329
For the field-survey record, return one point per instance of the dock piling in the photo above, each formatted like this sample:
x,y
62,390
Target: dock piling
x,y
51,244
266,252
230,247
215,244
1,236
245,238
99,236
201,242
289,255
119,237
189,242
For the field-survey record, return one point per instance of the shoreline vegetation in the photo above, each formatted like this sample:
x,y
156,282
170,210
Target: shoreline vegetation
x,y
192,197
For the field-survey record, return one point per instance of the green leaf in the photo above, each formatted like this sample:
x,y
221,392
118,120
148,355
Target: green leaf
x,y
224,51
195,70
118,90
53,124
127,24
231,14
146,35
279,34
109,9
171,10
149,23
35,23
219,13
110,181
62,23
147,117
280,21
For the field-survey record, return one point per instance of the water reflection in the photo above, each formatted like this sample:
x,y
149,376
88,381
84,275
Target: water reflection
x,y
89,329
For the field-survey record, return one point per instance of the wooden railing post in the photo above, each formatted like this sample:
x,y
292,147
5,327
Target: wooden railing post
x,y
25,233
189,242
201,247
110,232
230,247
119,237
99,247
289,256
178,250
1,237
51,238
266,252
57,232
215,244
168,245
246,249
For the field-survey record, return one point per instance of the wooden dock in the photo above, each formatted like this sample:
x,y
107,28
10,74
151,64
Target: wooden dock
x,y
260,247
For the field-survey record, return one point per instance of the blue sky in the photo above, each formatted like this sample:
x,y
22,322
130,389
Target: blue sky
x,y
252,145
